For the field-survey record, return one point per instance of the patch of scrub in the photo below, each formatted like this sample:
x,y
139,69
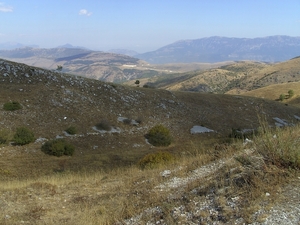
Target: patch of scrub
x,y
200,129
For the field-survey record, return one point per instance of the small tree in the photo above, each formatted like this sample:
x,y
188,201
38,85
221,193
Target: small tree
x,y
282,97
291,93
159,136
23,136
137,82
59,68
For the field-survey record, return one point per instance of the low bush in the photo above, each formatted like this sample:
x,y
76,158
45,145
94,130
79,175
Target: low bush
x,y
153,160
71,130
12,106
159,136
104,125
58,147
23,136
291,93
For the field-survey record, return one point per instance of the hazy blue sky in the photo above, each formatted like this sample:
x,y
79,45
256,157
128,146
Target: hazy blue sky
x,y
142,25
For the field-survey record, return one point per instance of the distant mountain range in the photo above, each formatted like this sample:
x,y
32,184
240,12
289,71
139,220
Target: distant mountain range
x,y
206,50
217,49
14,45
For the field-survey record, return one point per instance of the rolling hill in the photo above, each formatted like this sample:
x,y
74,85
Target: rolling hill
x,y
234,78
105,66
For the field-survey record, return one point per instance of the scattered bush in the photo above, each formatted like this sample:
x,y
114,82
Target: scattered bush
x,y
23,136
71,130
104,125
153,160
281,97
291,93
148,85
58,147
12,106
159,136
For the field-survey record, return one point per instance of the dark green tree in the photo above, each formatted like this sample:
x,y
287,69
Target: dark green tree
x,y
137,82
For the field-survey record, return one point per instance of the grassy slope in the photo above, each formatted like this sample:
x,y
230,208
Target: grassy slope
x,y
273,92
32,190
235,78
52,102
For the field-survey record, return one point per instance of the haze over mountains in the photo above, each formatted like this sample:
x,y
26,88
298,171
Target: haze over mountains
x,y
121,65
217,49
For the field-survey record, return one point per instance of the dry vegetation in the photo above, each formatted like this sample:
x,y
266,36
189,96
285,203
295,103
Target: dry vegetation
x,y
211,178
235,78
202,186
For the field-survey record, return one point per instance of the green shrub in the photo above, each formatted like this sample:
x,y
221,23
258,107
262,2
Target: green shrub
x,y
153,160
71,130
159,136
58,147
291,93
104,125
23,136
281,97
12,106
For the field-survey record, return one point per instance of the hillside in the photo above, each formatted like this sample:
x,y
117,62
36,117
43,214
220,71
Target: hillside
x,y
53,101
101,184
218,49
106,66
234,78
273,92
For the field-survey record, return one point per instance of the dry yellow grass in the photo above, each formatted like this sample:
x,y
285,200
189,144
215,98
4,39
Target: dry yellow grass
x,y
123,194
273,92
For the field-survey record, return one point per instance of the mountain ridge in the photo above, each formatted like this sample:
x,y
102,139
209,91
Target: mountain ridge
x,y
216,49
